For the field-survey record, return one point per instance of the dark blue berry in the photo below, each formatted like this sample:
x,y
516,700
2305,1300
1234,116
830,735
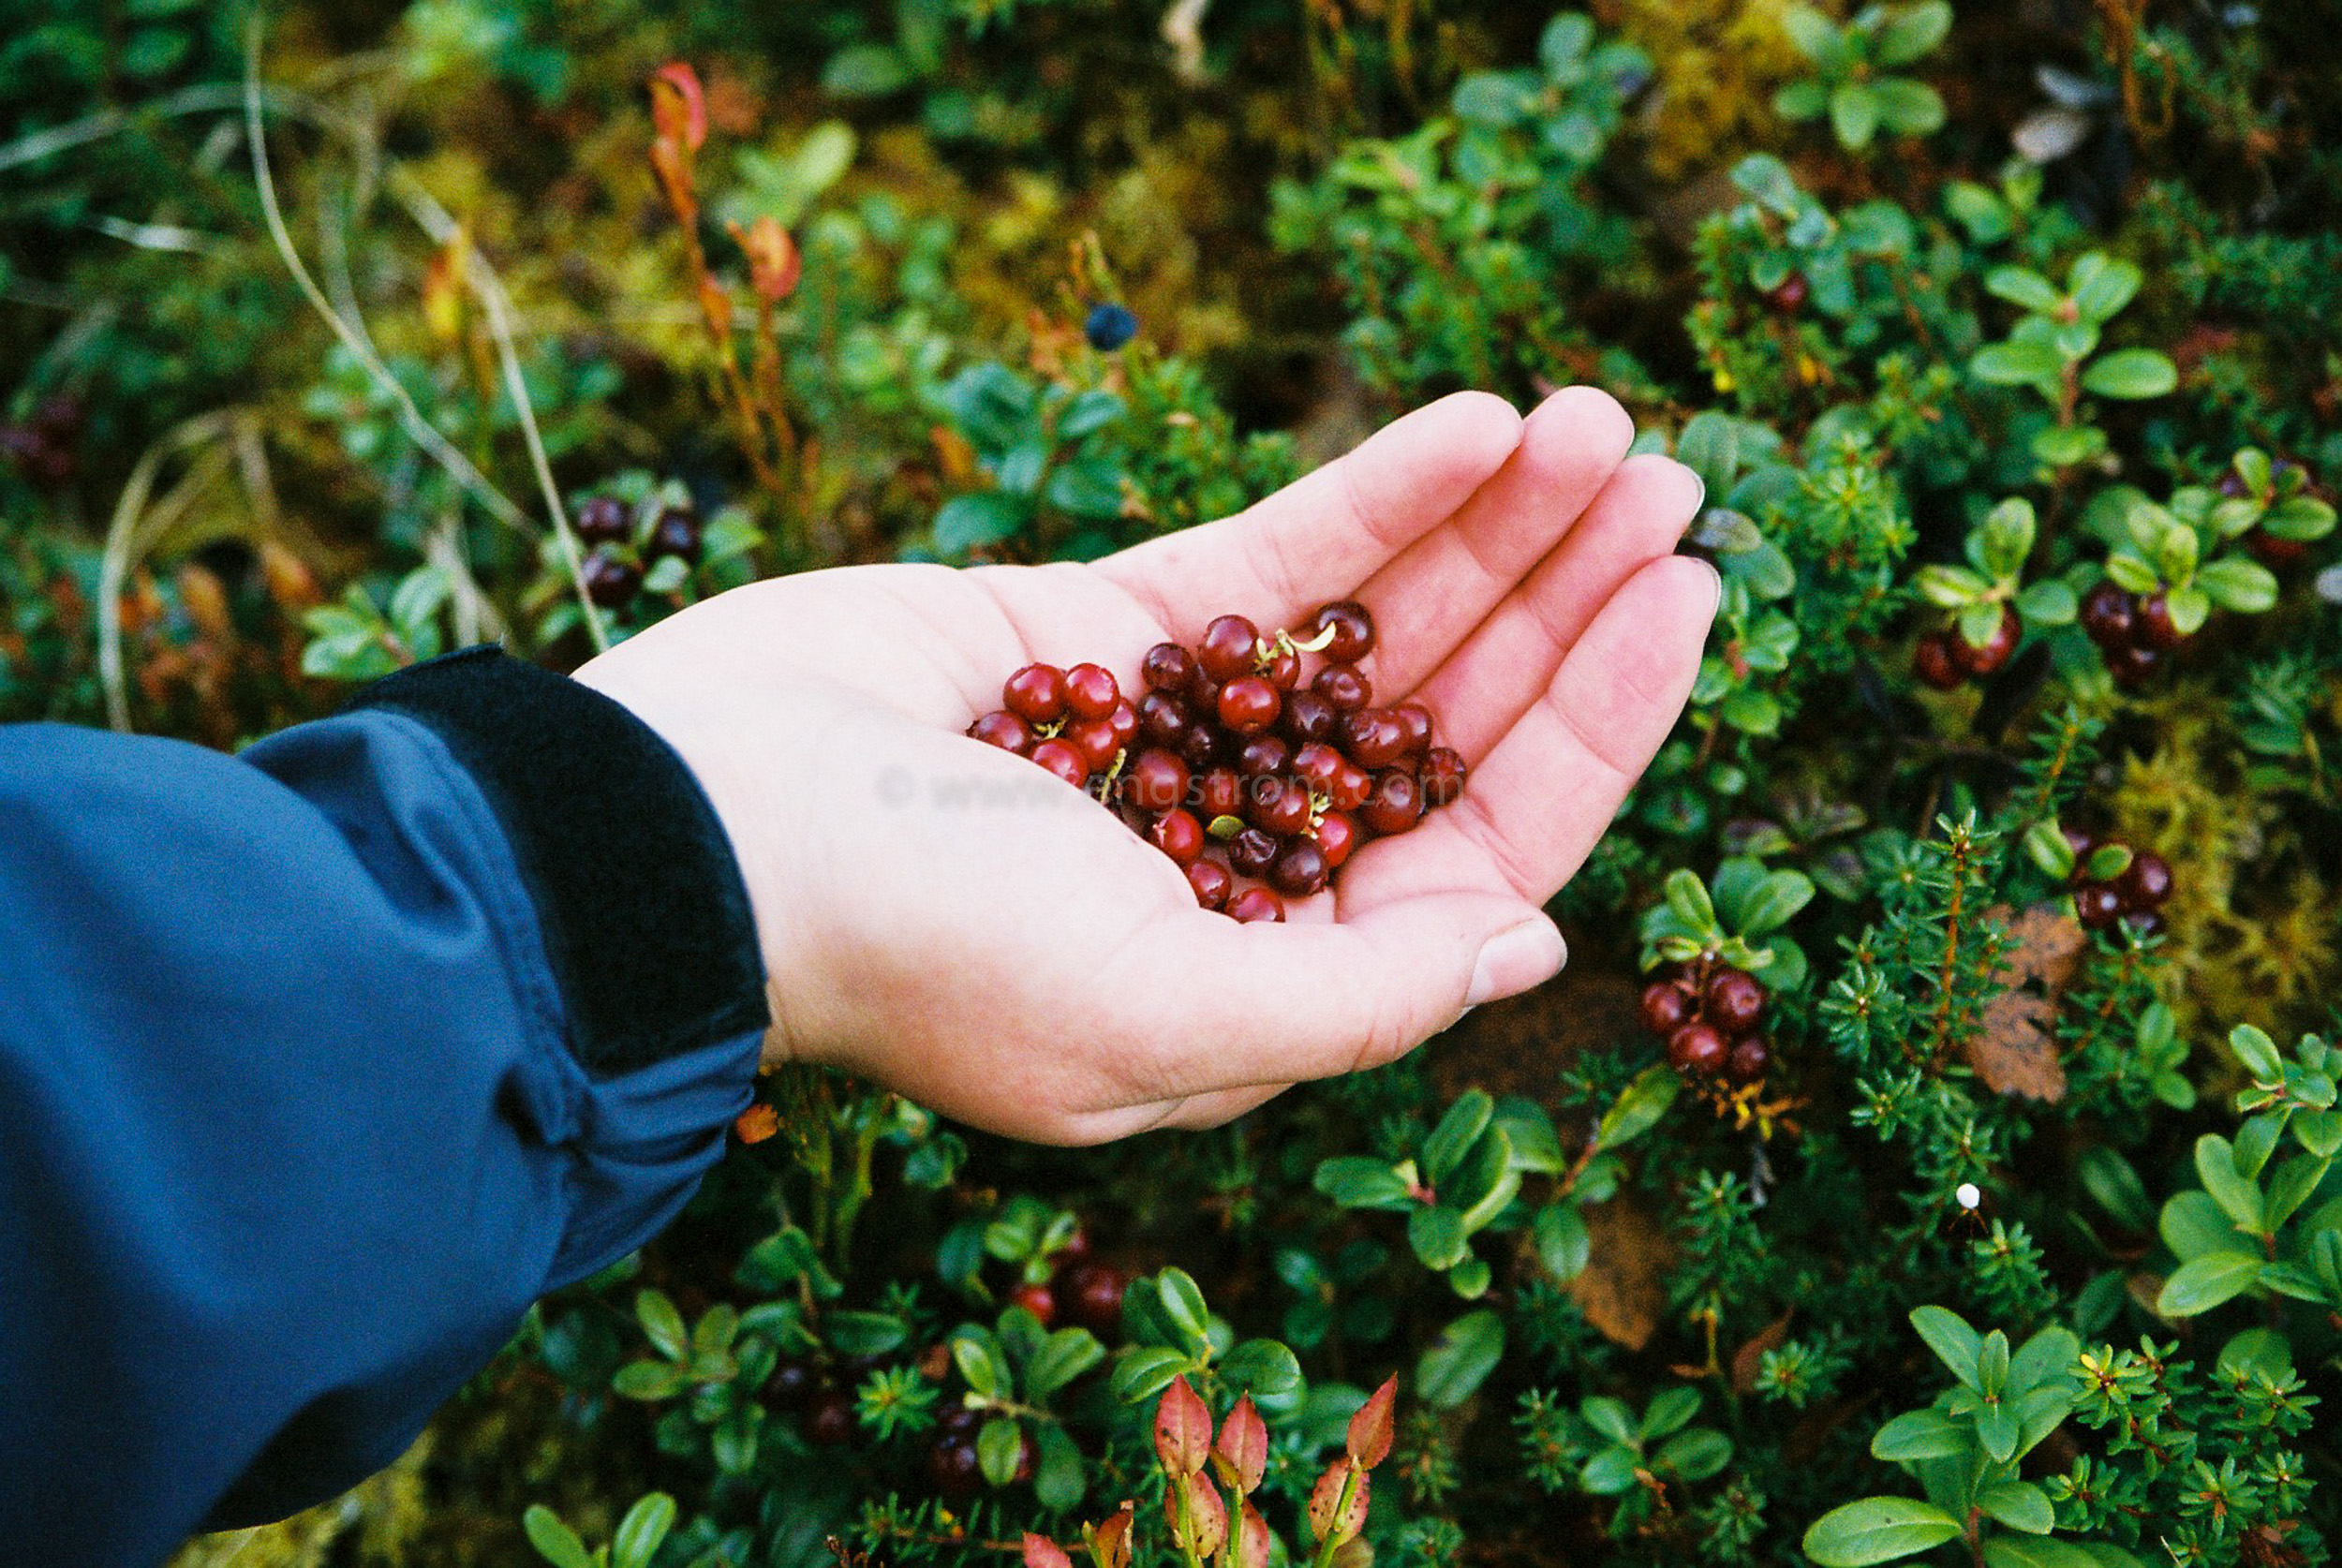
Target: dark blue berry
x,y
1109,327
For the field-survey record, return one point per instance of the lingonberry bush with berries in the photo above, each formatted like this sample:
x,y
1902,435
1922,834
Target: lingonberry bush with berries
x,y
1929,1152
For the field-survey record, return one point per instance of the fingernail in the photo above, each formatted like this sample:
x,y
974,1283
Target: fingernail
x,y
1512,961
1715,582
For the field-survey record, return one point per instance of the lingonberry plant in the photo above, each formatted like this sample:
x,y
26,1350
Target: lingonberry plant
x,y
2007,792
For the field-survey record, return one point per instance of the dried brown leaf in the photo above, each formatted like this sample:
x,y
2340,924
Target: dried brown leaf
x,y
1751,1355
2014,1047
1622,1288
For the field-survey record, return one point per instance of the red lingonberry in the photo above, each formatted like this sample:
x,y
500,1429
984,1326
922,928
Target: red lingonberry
x,y
1337,836
1442,775
1788,295
1373,737
1164,719
600,520
1697,1049
1206,745
1095,738
1035,694
1344,687
610,580
829,1421
1211,883
1997,648
2155,625
2272,551
1178,834
1092,1297
2097,905
1249,705
1299,869
1414,721
2147,923
1219,792
1279,804
1123,721
2107,613
1316,765
1396,805
1004,729
1037,1299
1231,645
1281,669
2079,841
1749,1060
2133,662
1666,1006
2146,881
953,1469
792,1381
1263,755
1351,784
1352,627
1308,716
1252,851
1734,1000
1932,661
1090,691
1168,667
1155,780
1062,758
1256,904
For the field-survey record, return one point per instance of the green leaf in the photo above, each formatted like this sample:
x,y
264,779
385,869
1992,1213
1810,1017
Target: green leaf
x,y
1801,100
972,522
1877,1529
1609,1473
860,1333
2046,846
2062,446
1910,32
1470,1279
1955,1344
648,1379
2202,1283
640,1532
1854,111
865,72
1562,1241
2245,587
2237,1194
1147,1371
663,1324
1064,1356
1060,1477
2048,602
1436,1233
1709,447
1498,99
1265,1368
2016,365
1529,1131
1907,108
2192,1224
2047,1551
555,1541
1456,1362
2189,608
1562,47
1814,35
980,1360
1639,1106
2000,1428
1183,1308
1610,1417
2018,1505
1356,1181
1088,413
1696,1454
1919,1434
2130,373
2102,285
1000,1443
1457,1131
1670,1411
2258,1052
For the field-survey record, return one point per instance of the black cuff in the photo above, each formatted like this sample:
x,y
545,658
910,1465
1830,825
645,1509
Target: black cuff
x,y
645,919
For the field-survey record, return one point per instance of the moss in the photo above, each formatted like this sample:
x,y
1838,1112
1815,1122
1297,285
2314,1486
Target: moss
x,y
1715,65
373,1523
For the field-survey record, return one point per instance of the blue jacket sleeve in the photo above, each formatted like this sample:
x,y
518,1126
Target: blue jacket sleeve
x,y
318,1065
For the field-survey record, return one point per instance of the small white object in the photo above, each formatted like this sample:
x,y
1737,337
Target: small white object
x,y
1968,1195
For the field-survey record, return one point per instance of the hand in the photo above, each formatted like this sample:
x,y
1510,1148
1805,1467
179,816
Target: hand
x,y
946,919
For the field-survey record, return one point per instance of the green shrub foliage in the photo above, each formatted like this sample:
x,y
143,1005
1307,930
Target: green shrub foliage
x,y
2009,348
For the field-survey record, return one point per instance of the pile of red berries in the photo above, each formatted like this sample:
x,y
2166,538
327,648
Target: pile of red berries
x,y
2133,631
1230,763
1712,1016
2134,896
1945,659
622,548
1078,1290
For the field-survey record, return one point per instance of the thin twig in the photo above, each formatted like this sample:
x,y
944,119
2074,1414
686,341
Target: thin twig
x,y
121,549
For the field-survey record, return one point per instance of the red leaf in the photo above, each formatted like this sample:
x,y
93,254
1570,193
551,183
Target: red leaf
x,y
677,106
1250,1548
1110,1543
1329,1519
774,264
1242,1455
1182,1430
1042,1552
1371,1429
1197,1516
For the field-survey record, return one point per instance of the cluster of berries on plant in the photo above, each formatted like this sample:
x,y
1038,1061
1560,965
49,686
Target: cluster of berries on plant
x,y
1080,1290
2132,898
1946,661
2133,631
1233,765
623,546
1711,1016
822,1393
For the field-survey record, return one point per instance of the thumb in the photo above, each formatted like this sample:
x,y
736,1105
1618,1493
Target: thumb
x,y
1276,1004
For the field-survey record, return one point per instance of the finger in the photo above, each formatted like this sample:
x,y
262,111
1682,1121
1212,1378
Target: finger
x,y
1506,665
1202,1111
1325,533
1431,597
1262,1006
1533,809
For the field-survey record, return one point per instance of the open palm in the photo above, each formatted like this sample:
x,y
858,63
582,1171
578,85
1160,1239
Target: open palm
x,y
951,921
